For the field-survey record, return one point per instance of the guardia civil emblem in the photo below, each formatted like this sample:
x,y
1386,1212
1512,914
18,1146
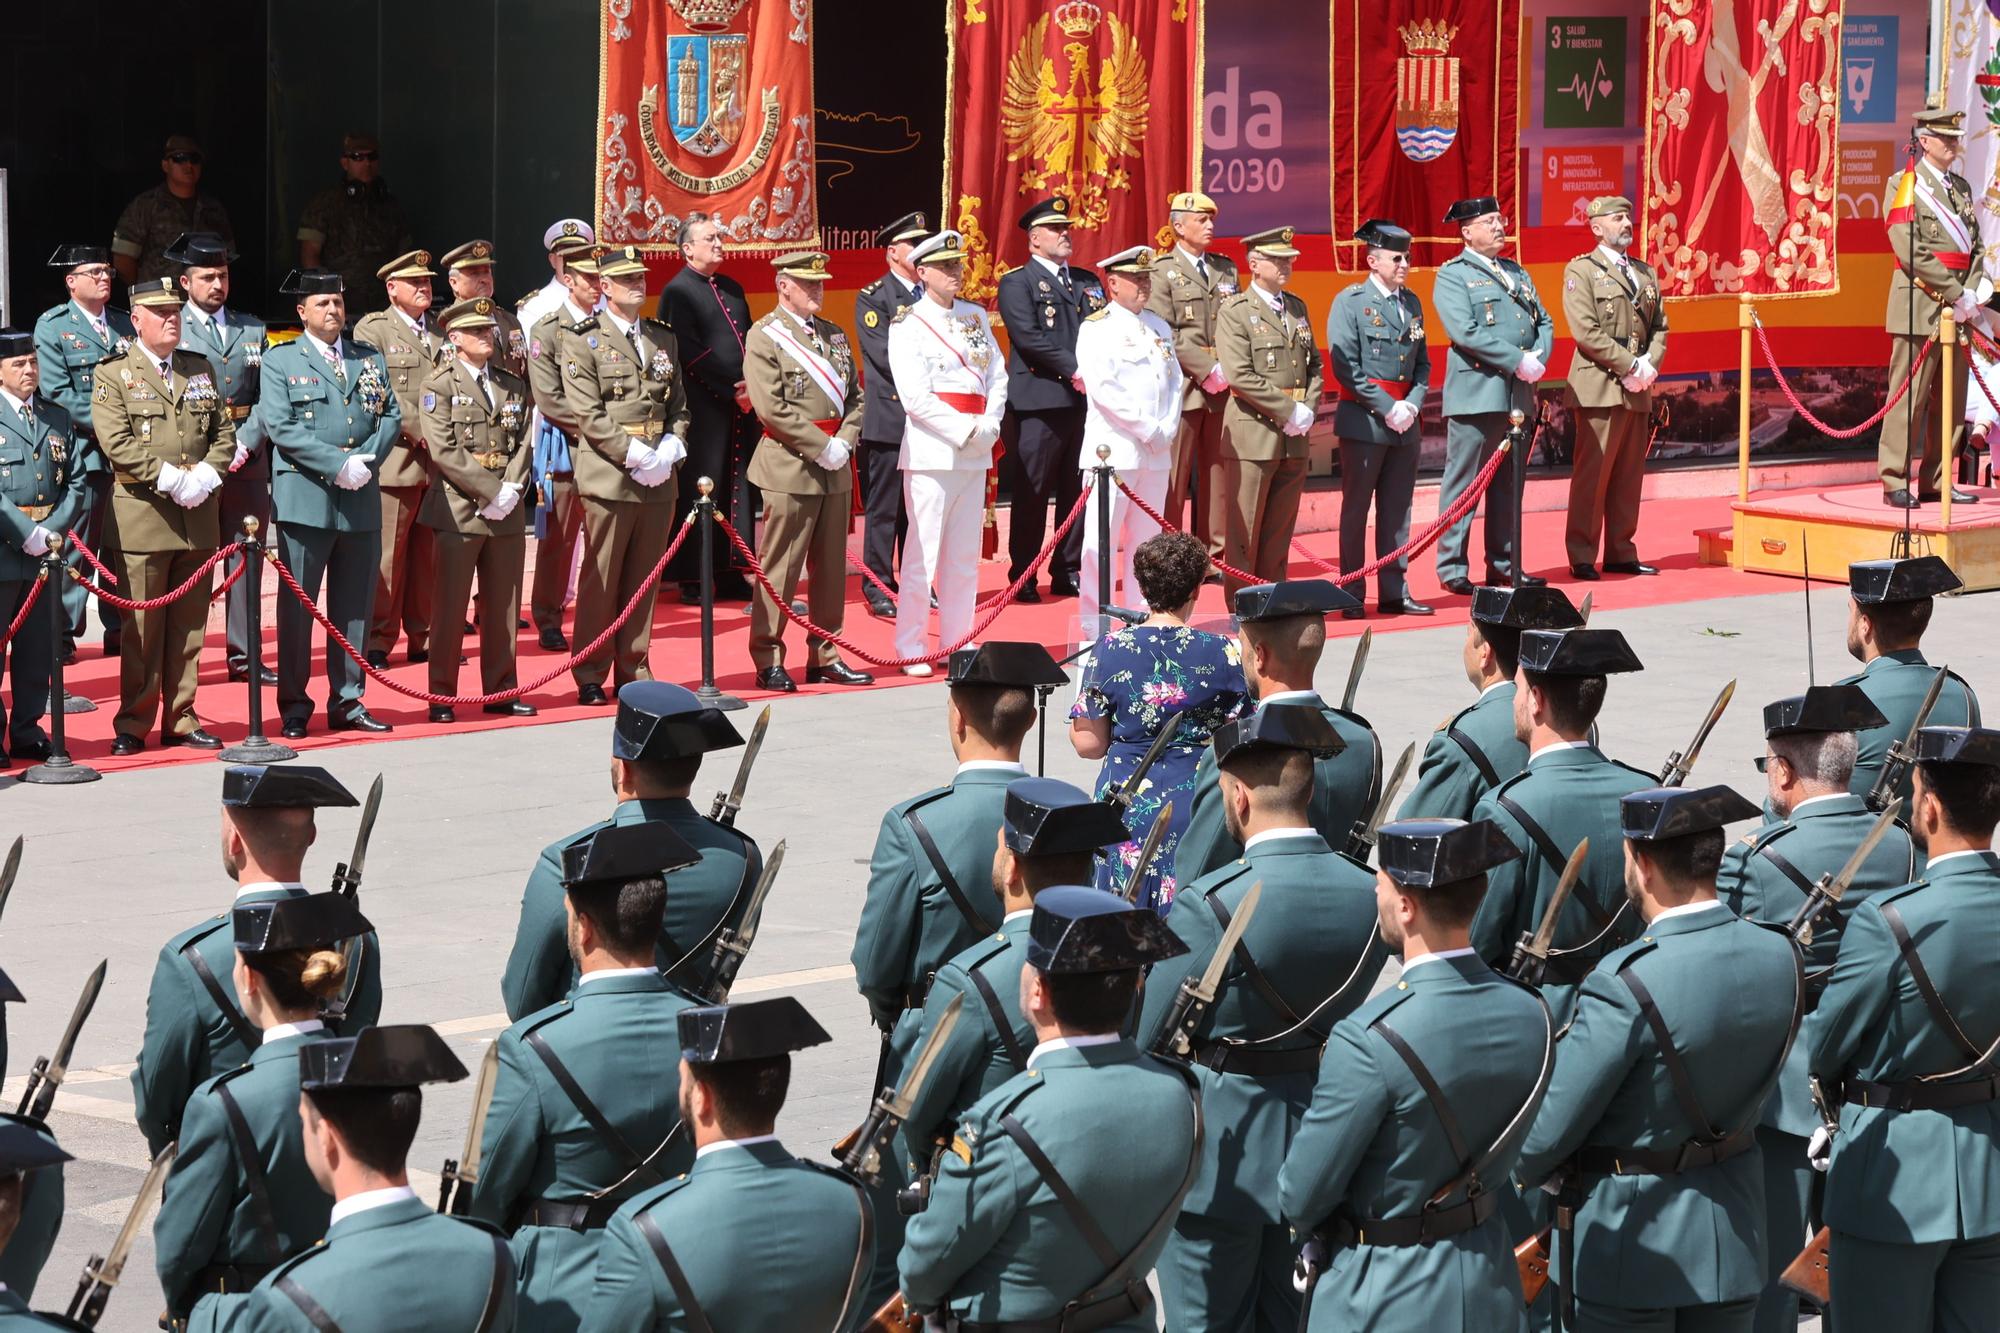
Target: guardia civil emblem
x,y
706,100
1075,134
1427,90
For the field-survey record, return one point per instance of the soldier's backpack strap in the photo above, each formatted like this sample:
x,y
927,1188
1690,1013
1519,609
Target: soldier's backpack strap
x,y
636,1166
255,1182
1475,754
1555,857
1258,981
1940,1012
498,1285
691,1312
1009,1042
246,1031
314,1312
979,924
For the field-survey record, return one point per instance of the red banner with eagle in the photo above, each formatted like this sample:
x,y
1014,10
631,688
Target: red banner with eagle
x,y
1093,100
1742,147
1425,105
706,105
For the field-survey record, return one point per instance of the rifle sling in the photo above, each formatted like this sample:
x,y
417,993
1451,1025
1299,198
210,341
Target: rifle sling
x,y
498,1285
246,1032
864,1249
315,1313
627,1156
1785,867
1555,856
1454,1136
691,1311
1940,1012
753,867
1255,973
255,1183
1009,1041
979,924
1475,754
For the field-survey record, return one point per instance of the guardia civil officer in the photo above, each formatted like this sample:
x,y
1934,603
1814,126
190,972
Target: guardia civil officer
x,y
877,464
34,1216
1814,825
1395,1174
195,1024
1563,796
24,1151
240,1199
1002,1242
567,298
572,1132
1677,1040
1476,749
1282,627
657,743
1381,372
749,1236
1889,608
1502,337
1190,282
1307,958
331,416
388,1263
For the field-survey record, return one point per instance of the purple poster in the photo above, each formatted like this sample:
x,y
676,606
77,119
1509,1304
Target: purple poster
x,y
1264,116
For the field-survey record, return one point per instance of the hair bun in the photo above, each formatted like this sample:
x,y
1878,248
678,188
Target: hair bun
x,y
324,973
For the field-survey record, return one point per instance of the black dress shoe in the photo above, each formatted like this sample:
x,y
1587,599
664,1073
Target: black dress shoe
x,y
112,645
1458,587
360,720
1355,613
1062,587
776,678
293,730
1958,497
1588,573
879,606
380,661
837,673
265,676
34,752
512,708
1899,499
553,640
199,739
1494,580
591,694
1408,606
127,745
1630,567
419,656
521,623
441,713
691,594
1029,594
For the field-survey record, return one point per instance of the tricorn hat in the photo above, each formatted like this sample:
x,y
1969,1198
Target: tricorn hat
x,y
1075,930
1278,727
660,720
720,1034
622,853
1658,813
1010,665
1047,817
1823,708
406,1055
1577,652
1291,597
312,921
1431,853
267,785
1907,580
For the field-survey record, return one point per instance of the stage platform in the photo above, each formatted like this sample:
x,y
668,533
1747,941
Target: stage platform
x,y
1784,532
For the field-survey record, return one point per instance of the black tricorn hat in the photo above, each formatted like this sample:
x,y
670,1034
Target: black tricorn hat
x,y
1291,597
1525,608
1823,708
1047,817
1675,812
75,255
660,720
1908,580
9,992
199,249
621,853
1577,652
405,1055
1009,665
720,1034
1959,745
13,342
313,921
1278,727
266,785
1382,234
1431,853
1465,210
25,1148
1076,930
312,282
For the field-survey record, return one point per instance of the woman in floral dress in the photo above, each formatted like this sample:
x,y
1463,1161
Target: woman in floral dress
x,y
1137,679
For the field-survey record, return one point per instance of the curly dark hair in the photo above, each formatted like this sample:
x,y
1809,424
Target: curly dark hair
x,y
1170,567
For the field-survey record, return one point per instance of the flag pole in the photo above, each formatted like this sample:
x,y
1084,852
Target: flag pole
x,y
1746,315
1948,348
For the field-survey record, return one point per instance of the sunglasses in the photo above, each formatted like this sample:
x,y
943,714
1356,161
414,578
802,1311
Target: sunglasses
x,y
362,157
94,271
1763,760
185,158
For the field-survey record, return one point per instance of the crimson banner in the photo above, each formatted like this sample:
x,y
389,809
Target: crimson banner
x,y
1742,147
1091,101
1435,124
706,105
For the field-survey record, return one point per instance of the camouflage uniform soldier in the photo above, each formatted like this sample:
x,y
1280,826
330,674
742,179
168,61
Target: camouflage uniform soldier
x,y
355,227
152,222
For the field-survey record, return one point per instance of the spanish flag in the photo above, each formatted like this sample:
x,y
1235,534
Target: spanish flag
x,y
1903,204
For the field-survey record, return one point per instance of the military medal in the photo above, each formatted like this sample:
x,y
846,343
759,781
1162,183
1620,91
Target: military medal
x,y
515,342
660,367
510,415
253,354
58,449
374,393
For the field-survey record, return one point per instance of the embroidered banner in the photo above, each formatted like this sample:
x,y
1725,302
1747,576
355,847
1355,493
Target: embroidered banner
x,y
1095,102
1742,147
706,105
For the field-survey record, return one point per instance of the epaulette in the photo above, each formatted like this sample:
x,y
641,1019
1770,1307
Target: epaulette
x,y
656,322
926,798
543,1017
362,349
317,1248
1652,779
1333,711
1770,833
197,933
1381,1003
527,298
580,325
872,287
828,1169
1891,895
1511,782
990,947
663,1191
552,317
1097,314
1623,956
224,1077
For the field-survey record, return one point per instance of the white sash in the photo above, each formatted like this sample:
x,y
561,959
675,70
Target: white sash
x,y
830,381
1953,225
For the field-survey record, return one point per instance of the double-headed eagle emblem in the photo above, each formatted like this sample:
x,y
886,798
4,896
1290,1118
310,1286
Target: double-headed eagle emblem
x,y
1075,136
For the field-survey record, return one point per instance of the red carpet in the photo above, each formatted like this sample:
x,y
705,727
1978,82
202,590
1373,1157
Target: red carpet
x,y
1666,538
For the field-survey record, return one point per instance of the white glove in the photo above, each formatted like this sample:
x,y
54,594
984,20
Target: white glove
x,y
242,456
1401,417
984,432
835,455
353,474
1531,368
1964,307
672,451
1076,382
503,504
209,479
1640,378
170,481
640,457
1819,1148
655,472
37,542
1302,419
1215,381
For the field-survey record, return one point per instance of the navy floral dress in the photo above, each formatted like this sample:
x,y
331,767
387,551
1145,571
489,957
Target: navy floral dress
x,y
1139,677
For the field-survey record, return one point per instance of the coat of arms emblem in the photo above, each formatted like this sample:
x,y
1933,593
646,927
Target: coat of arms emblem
x,y
1427,90
1075,134
705,99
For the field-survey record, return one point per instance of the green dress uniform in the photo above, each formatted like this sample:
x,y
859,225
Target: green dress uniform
x,y
1897,681
27,1147
749,1237
41,486
1913,1195
1675,1045
1188,290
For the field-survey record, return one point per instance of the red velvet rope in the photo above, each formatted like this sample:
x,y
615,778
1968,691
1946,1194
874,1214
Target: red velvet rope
x,y
27,605
1835,432
151,603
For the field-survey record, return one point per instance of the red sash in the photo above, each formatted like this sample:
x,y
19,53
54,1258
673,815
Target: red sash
x,y
1394,388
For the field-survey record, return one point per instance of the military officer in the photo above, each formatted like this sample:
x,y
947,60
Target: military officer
x,y
468,272
1043,303
877,462
164,427
1264,342
1937,252
951,387
561,239
800,374
475,419
331,416
1663,1172
1189,285
1282,627
1307,958
388,1262
414,348
240,1199
1416,1119
234,344
1815,825
657,742
70,340
24,1150
570,1135
1612,304
623,376
146,230
195,1025
750,1236
354,227
43,489
1563,796
1381,372
1476,749
1049,1206
1889,608
559,522
1132,392
1502,337
1898,1040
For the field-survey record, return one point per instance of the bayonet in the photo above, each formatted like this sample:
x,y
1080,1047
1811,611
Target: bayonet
x,y
733,944
1826,894
1531,955
1354,669
1147,850
1680,763
461,1173
727,803
1197,995
1903,753
1121,796
347,875
1361,840
7,873
1584,610
101,1274
864,1158
48,1071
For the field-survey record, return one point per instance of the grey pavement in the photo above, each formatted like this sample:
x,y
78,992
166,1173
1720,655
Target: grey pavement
x,y
111,870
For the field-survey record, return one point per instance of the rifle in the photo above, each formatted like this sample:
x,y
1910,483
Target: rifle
x,y
1679,763
101,1274
727,803
863,1156
1530,962
1808,1274
47,1075
1121,796
1354,668
1903,753
1148,850
347,881
1197,994
1825,895
461,1173
1531,1261
1361,840
7,872
733,944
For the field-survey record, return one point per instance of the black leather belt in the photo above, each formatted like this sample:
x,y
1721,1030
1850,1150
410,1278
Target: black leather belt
x,y
1598,1161
1915,1096
1569,969
1255,1061
570,1215
1415,1229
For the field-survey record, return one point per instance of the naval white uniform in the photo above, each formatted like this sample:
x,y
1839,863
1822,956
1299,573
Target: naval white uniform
x,y
1133,383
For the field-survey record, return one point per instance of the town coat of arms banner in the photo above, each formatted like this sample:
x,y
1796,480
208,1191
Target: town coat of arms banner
x,y
706,105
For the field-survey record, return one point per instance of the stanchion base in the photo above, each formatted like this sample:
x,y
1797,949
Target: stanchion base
x,y
66,773
713,698
256,750
76,703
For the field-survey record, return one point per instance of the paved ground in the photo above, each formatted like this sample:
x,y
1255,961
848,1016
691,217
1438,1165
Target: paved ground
x,y
112,869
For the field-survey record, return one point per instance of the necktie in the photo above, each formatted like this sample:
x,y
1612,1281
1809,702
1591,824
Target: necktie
x,y
167,375
28,415
424,339
339,371
1064,274
1201,267
638,348
103,331
485,389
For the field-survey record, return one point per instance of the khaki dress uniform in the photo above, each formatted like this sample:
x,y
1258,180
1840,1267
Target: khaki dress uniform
x,y
1616,317
1187,293
1938,266
555,551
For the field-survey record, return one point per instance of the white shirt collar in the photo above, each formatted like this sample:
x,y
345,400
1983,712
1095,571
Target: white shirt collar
x,y
995,765
804,322
1276,300
298,1029
618,322
416,324
1071,1043
1685,909
569,308
1438,957
1616,259
1199,262
606,973
1050,264
1025,911
1270,833
1287,696
1498,684
1478,258
267,885
1558,745
717,1146
100,320
1937,861
194,314
1813,800
367,1199
324,349
18,404
1375,281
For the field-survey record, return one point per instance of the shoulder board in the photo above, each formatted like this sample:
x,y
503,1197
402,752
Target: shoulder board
x,y
1621,958
1018,1089
1381,1004
526,297
663,1191
363,349
1514,781
194,934
648,322
1770,833
828,1169
318,1248
1096,314
552,317
988,948
542,1018
224,1077
872,287
1893,894
584,325
932,796
52,312
1652,779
